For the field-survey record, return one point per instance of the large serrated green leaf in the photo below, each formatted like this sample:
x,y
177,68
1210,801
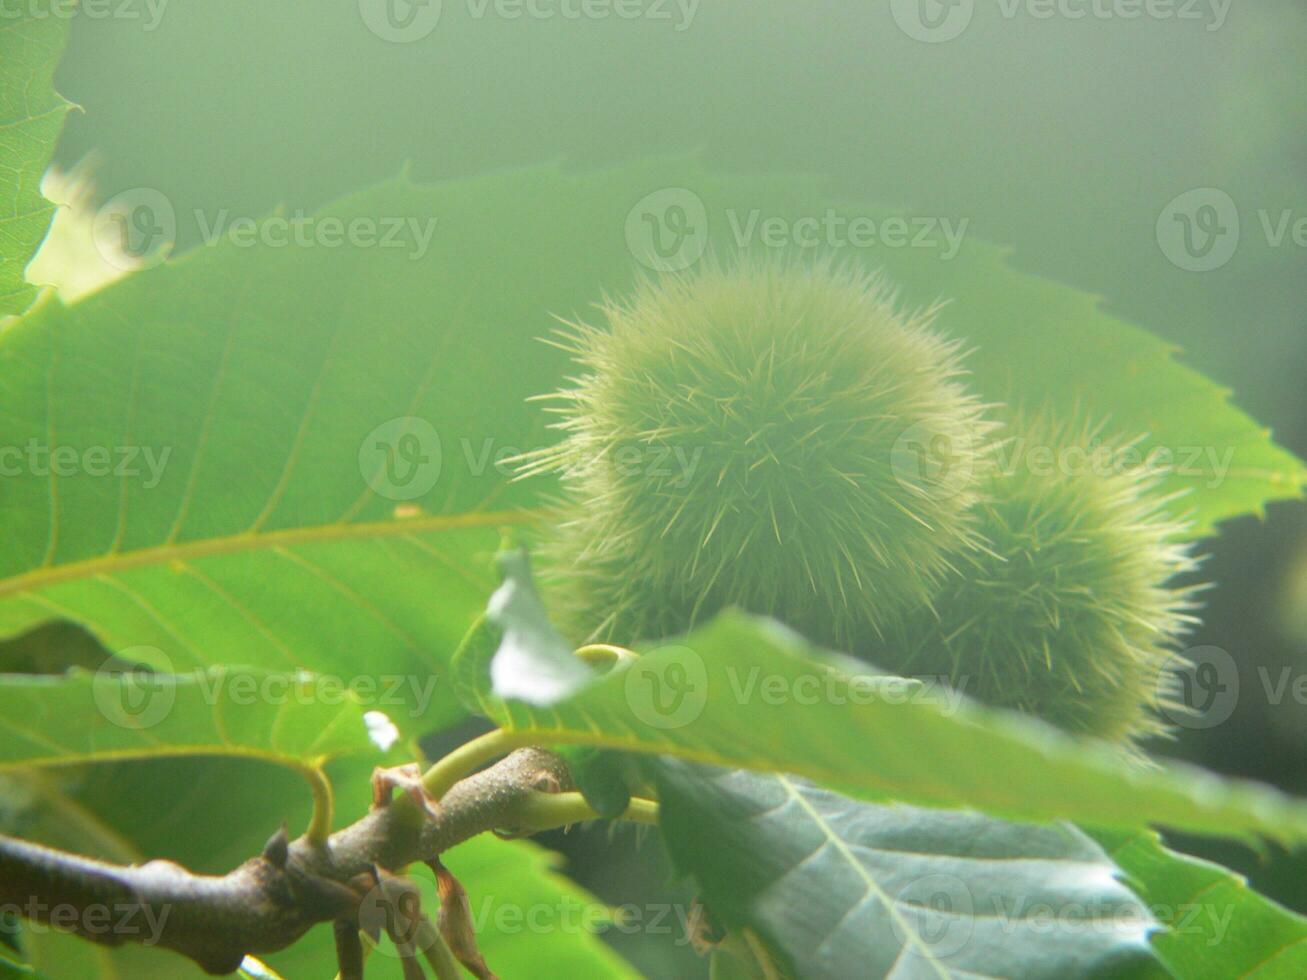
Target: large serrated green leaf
x,y
1216,926
84,718
1040,343
747,692
31,116
845,889
255,376
257,379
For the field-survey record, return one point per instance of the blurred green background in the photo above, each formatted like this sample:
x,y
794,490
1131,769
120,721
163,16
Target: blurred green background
x,y
1064,138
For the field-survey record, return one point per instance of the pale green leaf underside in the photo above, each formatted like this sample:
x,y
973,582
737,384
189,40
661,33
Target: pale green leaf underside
x,y
847,889
744,692
31,116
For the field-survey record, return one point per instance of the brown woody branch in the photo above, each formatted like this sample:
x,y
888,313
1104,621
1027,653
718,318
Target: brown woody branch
x,y
272,900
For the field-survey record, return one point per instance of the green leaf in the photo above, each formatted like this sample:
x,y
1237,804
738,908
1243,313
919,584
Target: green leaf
x,y
847,889
231,427
747,692
31,117
245,435
245,383
80,717
1036,342
1216,926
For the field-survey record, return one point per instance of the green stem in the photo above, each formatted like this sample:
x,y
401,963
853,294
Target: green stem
x,y
468,758
546,811
437,952
605,653
323,805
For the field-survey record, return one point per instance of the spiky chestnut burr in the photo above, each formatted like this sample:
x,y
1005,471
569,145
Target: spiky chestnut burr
x,y
769,435
1070,608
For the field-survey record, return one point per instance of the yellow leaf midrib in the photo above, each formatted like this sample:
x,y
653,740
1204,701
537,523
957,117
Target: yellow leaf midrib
x,y
181,551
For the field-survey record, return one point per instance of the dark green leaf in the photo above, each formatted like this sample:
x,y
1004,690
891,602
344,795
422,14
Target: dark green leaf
x,y
849,889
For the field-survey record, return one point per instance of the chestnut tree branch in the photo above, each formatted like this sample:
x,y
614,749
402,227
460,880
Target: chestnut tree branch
x,y
272,900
